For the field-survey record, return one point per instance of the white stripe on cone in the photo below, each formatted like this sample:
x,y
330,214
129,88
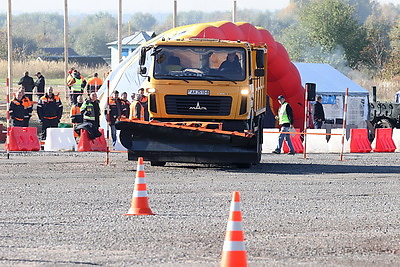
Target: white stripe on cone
x,y
234,246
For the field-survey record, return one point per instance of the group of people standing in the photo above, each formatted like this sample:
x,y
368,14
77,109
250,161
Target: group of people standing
x,y
122,108
49,109
84,112
28,84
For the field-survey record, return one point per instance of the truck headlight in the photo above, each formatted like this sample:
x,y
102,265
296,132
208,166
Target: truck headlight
x,y
151,90
245,92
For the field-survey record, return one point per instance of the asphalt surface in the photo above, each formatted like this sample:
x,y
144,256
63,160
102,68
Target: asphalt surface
x,y
63,209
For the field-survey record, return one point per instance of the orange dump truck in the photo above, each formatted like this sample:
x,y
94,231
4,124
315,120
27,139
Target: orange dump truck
x,y
206,100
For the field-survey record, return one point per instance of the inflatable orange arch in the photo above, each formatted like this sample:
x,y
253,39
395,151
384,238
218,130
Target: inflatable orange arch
x,y
283,78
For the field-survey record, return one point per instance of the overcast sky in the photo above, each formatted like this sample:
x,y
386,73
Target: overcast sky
x,y
132,6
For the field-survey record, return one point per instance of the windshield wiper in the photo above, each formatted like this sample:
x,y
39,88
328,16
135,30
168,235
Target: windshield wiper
x,y
171,77
223,77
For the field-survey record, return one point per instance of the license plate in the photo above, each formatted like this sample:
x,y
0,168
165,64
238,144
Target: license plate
x,y
198,92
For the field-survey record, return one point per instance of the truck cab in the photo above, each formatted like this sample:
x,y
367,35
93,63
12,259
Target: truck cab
x,y
206,80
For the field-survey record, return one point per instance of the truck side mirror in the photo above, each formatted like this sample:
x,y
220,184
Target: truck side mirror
x,y
142,59
142,70
260,59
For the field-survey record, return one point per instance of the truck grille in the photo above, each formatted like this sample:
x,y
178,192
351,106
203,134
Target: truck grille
x,y
198,105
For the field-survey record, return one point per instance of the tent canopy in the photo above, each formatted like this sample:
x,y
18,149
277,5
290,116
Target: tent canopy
x,y
328,80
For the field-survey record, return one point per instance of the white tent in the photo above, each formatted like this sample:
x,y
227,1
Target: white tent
x,y
125,77
331,85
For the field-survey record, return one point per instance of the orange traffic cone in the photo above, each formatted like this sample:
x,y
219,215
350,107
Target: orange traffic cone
x,y
140,204
234,251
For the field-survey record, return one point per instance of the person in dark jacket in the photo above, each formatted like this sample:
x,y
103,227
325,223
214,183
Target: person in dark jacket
x,y
114,113
125,104
319,114
91,110
285,117
28,84
20,109
144,100
40,83
231,65
49,109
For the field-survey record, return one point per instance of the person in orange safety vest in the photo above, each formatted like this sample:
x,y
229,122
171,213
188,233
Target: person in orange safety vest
x,y
94,84
49,109
136,111
20,109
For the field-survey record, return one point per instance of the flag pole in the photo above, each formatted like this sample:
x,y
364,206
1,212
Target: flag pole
x,y
344,122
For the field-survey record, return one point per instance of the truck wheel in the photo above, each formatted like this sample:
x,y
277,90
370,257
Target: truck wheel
x,y
157,163
384,123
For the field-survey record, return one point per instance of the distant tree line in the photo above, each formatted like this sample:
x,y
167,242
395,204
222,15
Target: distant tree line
x,y
355,34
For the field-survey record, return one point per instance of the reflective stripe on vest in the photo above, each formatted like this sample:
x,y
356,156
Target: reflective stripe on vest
x,y
283,117
76,87
88,111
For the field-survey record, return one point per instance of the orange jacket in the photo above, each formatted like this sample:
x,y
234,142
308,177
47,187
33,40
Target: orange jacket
x,y
95,81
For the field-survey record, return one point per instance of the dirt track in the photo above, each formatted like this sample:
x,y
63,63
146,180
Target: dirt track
x,y
66,208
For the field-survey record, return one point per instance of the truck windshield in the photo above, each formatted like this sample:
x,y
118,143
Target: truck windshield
x,y
200,63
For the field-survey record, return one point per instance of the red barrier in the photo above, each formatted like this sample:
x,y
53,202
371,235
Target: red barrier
x,y
22,139
297,143
86,144
359,142
383,140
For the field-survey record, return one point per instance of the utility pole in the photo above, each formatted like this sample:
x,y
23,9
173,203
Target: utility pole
x,y
234,12
174,15
10,51
66,48
119,31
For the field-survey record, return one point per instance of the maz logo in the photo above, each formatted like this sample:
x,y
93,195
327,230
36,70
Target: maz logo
x,y
198,107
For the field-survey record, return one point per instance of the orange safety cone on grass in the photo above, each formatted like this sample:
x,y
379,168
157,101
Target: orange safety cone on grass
x,y
234,251
140,203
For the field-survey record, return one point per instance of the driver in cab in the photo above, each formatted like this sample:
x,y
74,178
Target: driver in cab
x,y
231,65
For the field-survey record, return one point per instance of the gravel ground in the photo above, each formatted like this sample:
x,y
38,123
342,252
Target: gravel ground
x,y
62,209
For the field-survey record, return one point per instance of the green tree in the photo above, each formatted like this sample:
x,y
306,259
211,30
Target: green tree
x,y
301,48
91,35
331,24
376,52
392,67
142,22
23,48
362,8
46,29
